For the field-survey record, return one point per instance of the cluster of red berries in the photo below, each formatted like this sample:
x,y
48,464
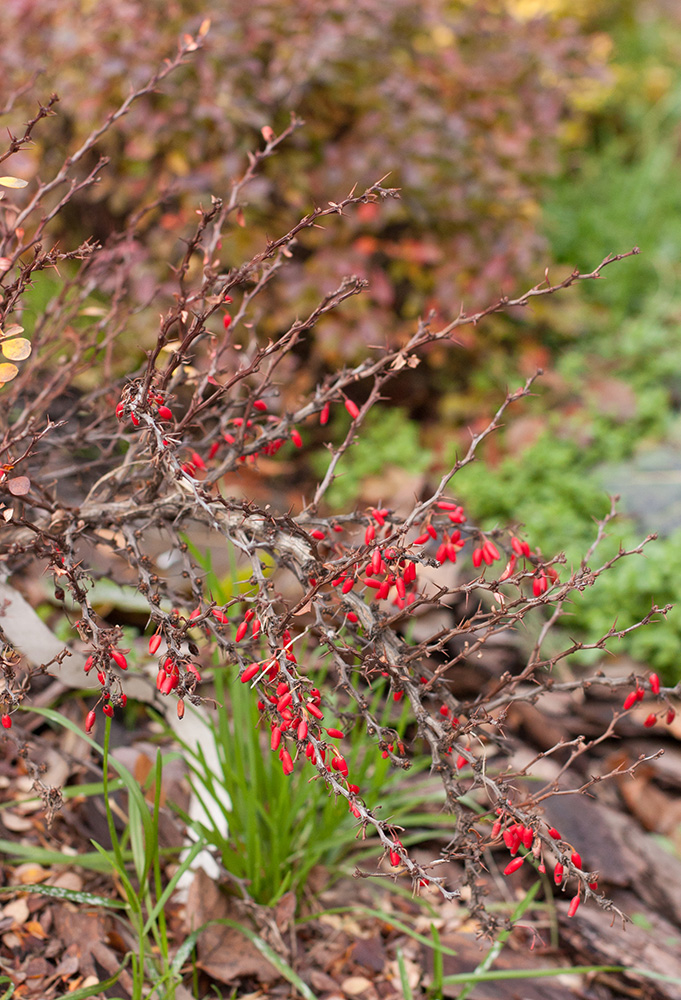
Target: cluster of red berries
x,y
155,401
516,835
638,693
101,659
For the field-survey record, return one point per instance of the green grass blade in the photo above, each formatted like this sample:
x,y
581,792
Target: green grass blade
x,y
501,974
407,992
92,991
438,961
57,892
170,888
44,856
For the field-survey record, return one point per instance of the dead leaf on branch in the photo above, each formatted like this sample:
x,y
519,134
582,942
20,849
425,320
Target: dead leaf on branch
x,y
8,372
19,486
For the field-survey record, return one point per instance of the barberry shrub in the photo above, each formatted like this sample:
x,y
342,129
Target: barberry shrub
x,y
118,472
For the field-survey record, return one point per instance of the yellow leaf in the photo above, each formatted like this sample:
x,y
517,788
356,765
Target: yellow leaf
x,y
17,349
13,182
8,372
12,330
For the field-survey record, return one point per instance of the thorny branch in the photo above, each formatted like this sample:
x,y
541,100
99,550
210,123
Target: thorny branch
x,y
162,450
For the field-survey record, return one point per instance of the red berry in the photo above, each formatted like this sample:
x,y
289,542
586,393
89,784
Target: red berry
x,y
180,708
249,673
654,682
165,413
296,438
119,659
558,874
87,666
324,414
241,631
630,700
573,907
552,832
108,710
90,721
650,721
352,408
513,866
6,721
154,643
286,762
319,535
260,404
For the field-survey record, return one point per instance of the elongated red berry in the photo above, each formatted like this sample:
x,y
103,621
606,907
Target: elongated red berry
x,y
552,832
165,413
119,659
108,710
369,534
6,721
154,643
88,665
120,410
654,682
90,719
226,321
260,404
275,739
319,535
513,866
558,873
180,708
314,710
574,906
395,859
335,734
629,701
286,762
241,631
324,414
352,408
650,721
576,859
249,673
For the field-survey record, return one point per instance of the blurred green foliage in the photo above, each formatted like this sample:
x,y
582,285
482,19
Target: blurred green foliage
x,y
388,439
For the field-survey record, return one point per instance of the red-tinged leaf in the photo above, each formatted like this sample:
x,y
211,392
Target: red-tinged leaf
x,y
19,486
